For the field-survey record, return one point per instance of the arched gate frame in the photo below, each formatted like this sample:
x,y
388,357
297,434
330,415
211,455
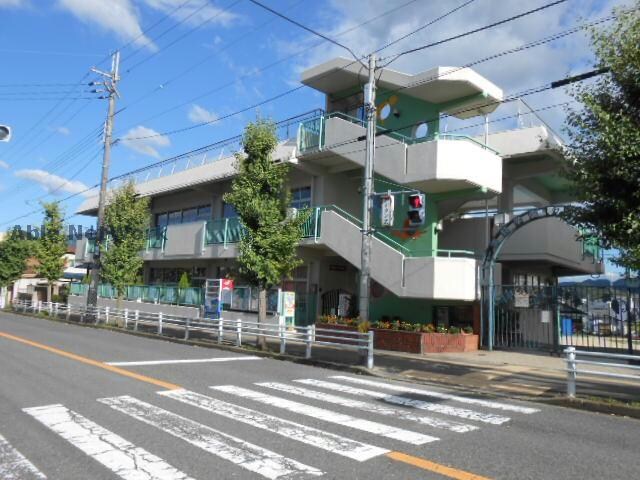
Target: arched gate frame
x,y
491,255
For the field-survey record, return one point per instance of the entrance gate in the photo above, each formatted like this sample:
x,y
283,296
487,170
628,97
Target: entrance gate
x,y
552,317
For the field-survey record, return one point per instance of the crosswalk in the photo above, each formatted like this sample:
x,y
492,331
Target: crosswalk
x,y
354,418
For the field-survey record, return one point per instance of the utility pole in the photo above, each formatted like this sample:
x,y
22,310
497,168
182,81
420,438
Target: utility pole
x,y
367,231
110,86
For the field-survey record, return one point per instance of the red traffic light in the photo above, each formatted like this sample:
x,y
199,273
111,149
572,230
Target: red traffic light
x,y
416,200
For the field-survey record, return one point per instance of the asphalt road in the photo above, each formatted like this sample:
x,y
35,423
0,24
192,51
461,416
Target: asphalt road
x,y
72,406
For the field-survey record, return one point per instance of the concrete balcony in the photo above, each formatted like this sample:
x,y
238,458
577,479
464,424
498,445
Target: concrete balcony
x,y
213,239
548,242
434,165
552,241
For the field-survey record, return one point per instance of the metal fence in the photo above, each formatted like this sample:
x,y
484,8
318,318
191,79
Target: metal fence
x,y
553,317
192,296
604,362
222,331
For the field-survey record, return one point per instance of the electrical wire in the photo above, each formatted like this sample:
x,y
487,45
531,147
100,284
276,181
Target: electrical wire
x,y
474,31
308,29
254,72
184,35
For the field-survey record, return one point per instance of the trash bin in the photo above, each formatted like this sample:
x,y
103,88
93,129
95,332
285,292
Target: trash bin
x,y
566,326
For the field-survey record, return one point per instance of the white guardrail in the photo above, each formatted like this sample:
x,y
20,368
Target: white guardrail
x,y
224,331
614,360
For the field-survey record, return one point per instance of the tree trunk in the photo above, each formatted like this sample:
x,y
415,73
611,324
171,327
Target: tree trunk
x,y
49,292
261,342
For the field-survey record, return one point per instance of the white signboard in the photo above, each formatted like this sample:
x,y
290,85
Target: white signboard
x,y
289,304
522,300
386,210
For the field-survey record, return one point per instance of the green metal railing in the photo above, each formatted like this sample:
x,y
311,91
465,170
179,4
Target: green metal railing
x,y
224,231
230,230
311,134
156,238
146,293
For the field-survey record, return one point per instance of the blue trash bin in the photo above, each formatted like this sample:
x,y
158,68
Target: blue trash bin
x,y
566,326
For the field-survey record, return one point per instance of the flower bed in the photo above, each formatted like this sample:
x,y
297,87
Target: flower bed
x,y
407,337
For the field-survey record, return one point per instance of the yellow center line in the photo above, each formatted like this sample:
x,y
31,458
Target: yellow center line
x,y
90,361
434,467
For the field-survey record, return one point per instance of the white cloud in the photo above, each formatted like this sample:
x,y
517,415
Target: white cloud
x,y
51,183
145,141
198,114
117,16
194,13
13,3
4,164
512,73
63,130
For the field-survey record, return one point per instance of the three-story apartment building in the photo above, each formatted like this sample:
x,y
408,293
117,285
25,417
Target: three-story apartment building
x,y
424,273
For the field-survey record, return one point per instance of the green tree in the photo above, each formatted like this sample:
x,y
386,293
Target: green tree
x,y
184,281
126,221
52,245
261,199
604,147
15,249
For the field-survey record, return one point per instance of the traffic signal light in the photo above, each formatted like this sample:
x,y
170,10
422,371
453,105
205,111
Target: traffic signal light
x,y
416,209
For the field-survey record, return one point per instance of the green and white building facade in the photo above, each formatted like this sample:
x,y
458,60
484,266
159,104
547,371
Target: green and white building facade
x,y
472,179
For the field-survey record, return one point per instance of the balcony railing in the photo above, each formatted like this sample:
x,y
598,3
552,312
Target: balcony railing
x,y
146,293
156,238
311,134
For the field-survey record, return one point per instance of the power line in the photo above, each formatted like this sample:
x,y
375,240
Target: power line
x,y
266,67
308,29
163,85
523,47
422,27
476,30
181,37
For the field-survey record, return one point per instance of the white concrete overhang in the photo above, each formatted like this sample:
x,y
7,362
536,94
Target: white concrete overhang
x,y
439,85
216,171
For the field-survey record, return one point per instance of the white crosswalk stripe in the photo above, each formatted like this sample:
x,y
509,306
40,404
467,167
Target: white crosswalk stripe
x,y
370,407
15,466
329,416
244,454
114,452
441,395
409,402
295,431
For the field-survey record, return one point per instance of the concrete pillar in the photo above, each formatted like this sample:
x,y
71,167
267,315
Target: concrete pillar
x,y
505,199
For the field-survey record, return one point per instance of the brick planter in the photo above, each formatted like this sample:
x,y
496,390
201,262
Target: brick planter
x,y
344,328
415,342
449,343
399,341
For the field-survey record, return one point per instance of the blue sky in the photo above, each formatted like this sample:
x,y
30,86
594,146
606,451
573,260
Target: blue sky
x,y
223,42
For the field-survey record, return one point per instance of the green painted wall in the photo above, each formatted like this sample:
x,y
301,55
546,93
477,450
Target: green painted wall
x,y
406,110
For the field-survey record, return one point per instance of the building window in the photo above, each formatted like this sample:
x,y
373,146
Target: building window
x,y
162,219
204,213
188,215
301,198
175,217
228,211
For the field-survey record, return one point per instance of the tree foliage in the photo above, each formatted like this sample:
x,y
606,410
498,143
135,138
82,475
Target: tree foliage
x,y
14,252
260,196
261,199
52,245
184,281
604,147
126,221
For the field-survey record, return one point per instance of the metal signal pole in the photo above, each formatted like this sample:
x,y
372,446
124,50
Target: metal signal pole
x,y
367,231
110,86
